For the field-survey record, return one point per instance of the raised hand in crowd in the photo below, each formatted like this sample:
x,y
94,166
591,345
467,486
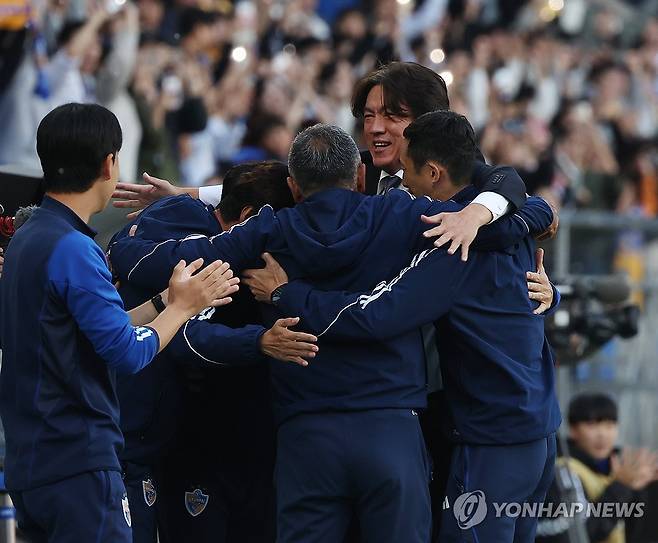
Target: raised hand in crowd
x,y
635,468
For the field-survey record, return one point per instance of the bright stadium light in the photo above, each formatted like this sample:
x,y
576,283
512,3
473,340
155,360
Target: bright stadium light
x,y
447,77
556,5
239,54
547,14
437,56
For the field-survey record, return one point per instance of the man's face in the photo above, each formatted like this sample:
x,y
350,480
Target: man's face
x,y
383,132
417,180
597,439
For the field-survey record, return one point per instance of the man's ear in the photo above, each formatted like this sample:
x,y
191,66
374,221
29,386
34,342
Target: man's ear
x,y
437,173
297,195
361,178
107,166
247,211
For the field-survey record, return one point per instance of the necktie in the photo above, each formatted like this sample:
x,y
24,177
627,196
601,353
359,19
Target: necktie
x,y
388,183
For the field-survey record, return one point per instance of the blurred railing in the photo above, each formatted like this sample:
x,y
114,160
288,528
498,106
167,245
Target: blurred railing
x,y
599,243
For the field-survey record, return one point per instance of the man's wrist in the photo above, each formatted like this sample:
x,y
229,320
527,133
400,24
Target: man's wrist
x,y
480,212
159,303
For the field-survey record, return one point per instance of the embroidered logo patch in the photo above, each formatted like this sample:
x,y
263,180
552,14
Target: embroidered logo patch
x,y
126,510
150,495
196,501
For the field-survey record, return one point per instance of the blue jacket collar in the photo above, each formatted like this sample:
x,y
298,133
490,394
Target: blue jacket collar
x,y
465,195
68,215
330,194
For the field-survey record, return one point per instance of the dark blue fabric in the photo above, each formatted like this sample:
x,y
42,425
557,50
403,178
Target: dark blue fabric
x,y
240,507
497,475
208,390
339,239
88,507
152,403
64,336
143,495
373,463
497,366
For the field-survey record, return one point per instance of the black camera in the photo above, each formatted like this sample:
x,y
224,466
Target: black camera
x,y
594,309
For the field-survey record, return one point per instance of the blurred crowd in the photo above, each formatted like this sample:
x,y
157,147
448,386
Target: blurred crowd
x,y
564,90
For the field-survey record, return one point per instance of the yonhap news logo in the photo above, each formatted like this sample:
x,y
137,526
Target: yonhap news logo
x,y
471,508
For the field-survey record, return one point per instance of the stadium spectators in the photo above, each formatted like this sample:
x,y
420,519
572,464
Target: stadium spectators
x,y
537,79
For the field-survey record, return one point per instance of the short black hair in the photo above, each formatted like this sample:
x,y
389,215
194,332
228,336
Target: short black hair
x,y
255,184
323,156
405,85
445,137
193,17
592,408
73,140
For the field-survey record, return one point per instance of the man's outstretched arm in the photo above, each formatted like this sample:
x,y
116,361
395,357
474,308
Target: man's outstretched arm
x,y
534,218
399,306
147,263
214,344
137,196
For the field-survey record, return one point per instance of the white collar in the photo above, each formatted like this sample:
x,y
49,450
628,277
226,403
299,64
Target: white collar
x,y
399,173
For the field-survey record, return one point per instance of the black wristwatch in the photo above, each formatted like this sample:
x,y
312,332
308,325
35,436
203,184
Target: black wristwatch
x,y
276,294
158,303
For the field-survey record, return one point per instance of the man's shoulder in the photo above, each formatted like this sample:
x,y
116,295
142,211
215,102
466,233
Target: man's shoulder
x,y
42,231
174,204
74,255
172,217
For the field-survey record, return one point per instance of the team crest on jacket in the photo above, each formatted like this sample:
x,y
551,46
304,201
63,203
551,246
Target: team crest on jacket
x,y
126,510
196,501
150,495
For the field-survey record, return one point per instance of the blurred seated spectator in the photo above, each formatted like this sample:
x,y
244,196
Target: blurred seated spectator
x,y
596,471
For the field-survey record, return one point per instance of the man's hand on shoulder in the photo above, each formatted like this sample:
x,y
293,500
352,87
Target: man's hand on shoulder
x,y
264,281
458,228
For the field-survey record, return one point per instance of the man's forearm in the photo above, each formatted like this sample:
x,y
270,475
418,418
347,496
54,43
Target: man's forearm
x,y
142,314
167,323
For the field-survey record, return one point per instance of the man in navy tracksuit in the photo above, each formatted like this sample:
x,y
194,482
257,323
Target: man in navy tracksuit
x,y
216,483
349,424
65,335
497,365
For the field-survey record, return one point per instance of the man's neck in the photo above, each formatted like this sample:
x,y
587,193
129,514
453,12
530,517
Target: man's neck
x,y
445,193
84,205
393,169
223,224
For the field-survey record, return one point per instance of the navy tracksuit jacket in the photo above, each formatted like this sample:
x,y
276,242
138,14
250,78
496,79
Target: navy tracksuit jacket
x,y
65,337
210,391
496,361
340,239
151,400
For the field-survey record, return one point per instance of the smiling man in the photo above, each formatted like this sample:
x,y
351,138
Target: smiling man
x,y
387,100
